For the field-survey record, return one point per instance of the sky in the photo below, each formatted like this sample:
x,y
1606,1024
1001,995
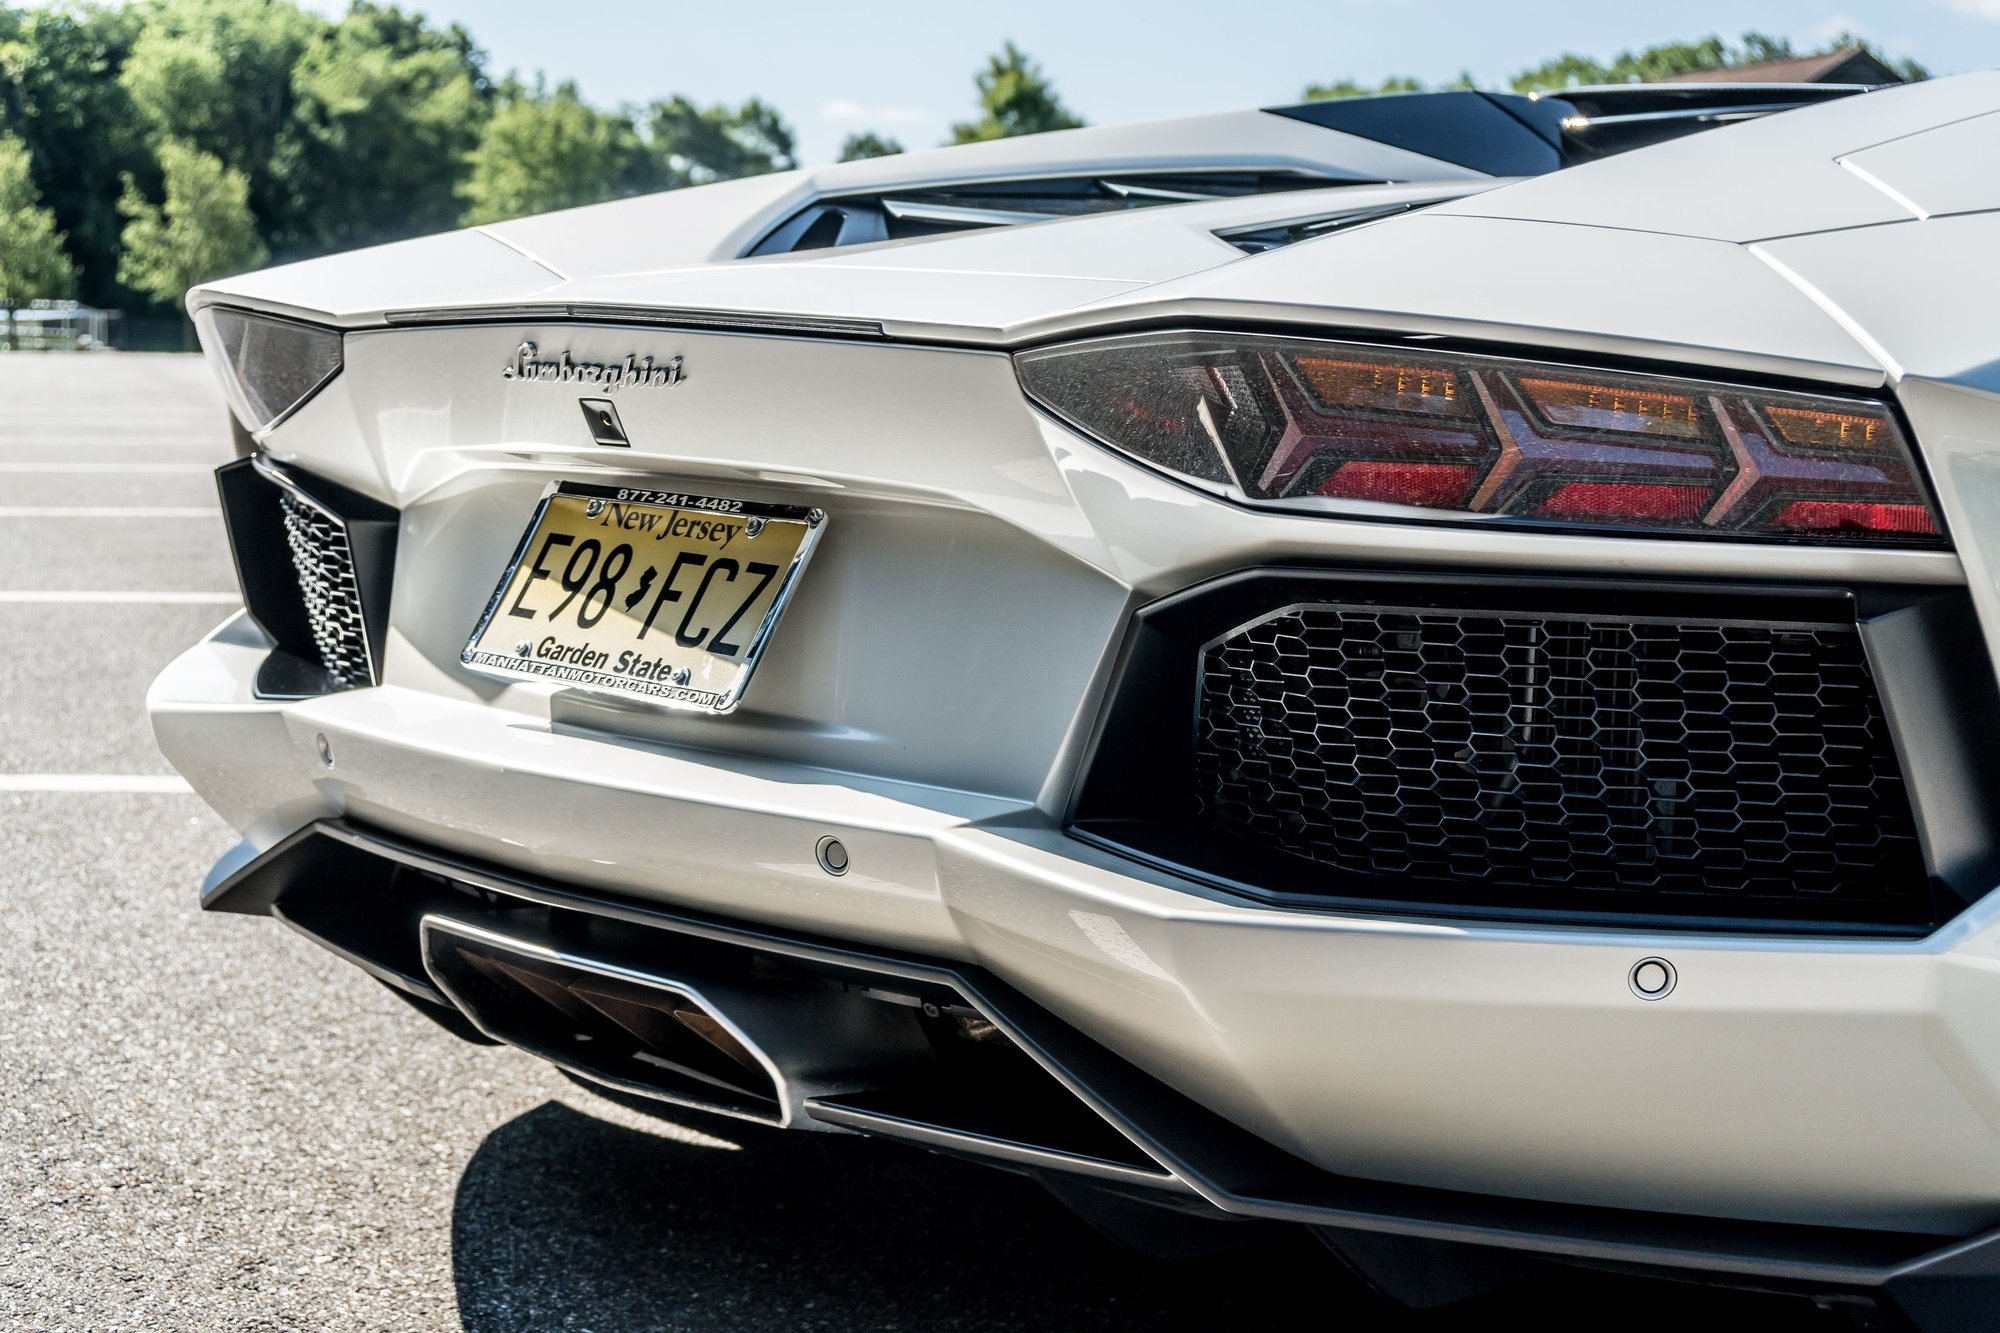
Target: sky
x,y
905,69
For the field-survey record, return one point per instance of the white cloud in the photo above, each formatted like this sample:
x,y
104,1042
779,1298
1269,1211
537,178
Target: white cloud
x,y
1978,9
1895,46
842,108
1841,23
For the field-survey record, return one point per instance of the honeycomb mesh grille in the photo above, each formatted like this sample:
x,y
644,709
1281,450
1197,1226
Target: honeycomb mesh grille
x,y
1500,751
328,587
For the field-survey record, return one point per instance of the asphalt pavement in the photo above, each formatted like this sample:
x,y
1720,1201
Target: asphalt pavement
x,y
207,1123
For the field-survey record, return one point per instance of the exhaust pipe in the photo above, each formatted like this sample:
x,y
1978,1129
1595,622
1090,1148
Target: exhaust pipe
x,y
695,1013
755,1051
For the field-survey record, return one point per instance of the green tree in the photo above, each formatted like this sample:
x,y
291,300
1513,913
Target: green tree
x,y
1568,70
216,75
60,94
541,151
204,229
385,111
1759,47
1571,70
867,143
1907,68
32,263
694,145
1669,58
1395,83
1014,98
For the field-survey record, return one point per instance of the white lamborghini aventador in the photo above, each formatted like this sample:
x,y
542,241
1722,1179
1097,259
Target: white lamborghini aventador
x,y
1418,666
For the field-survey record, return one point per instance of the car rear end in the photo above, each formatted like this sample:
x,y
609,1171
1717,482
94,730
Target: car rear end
x,y
1513,777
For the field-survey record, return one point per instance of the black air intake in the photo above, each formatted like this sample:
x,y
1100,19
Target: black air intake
x,y
315,561
1580,752
1592,755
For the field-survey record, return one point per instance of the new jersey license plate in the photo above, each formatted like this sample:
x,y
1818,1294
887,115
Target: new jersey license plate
x,y
654,595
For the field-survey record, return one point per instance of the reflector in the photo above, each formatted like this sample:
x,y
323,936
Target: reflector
x,y
1327,426
1852,516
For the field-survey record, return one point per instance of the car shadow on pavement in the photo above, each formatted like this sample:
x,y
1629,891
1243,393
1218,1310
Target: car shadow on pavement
x,y
563,1220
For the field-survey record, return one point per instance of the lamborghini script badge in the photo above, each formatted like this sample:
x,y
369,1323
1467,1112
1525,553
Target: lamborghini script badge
x,y
529,364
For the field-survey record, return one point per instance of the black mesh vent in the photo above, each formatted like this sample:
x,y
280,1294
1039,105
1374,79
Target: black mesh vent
x,y
1596,756
329,590
315,561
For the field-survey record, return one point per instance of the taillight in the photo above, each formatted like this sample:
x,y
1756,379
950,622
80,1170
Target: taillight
x,y
269,366
1340,427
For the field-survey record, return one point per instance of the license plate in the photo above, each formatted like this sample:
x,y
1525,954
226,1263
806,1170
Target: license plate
x,y
654,595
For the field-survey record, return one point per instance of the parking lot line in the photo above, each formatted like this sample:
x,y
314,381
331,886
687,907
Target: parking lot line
x,y
117,597
63,420
138,436
135,784
108,511
120,468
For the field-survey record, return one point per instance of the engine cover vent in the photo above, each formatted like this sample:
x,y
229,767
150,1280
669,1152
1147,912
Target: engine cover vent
x,y
894,215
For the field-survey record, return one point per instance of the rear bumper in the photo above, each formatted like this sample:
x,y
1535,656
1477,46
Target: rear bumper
x,y
1853,1083
1173,1150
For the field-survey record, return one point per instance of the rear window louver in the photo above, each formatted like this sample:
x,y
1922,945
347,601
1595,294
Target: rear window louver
x,y
1255,240
894,215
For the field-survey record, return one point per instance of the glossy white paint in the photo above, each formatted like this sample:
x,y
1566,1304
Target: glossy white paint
x,y
949,502
1778,176
977,288
1240,140
1934,173
456,266
678,229
926,697
721,221
1583,288
1921,293
1809,1081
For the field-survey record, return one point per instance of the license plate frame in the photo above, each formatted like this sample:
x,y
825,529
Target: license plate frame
x,y
701,680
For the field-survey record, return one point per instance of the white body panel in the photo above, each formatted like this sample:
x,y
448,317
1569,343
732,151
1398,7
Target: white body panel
x,y
928,695
1779,176
519,260
1806,1081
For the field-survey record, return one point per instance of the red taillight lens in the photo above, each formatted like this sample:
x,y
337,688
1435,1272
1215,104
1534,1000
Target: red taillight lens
x,y
1431,485
1624,502
1849,516
1327,426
